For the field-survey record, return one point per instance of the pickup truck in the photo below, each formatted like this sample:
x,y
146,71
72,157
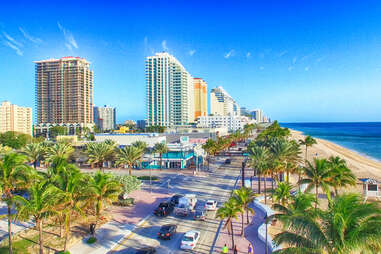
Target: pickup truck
x,y
186,205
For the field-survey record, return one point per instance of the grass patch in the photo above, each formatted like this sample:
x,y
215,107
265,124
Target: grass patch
x,y
145,178
91,240
64,252
20,246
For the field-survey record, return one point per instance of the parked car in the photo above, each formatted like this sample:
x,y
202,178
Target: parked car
x,y
166,231
164,209
146,250
175,199
211,205
190,240
228,161
199,214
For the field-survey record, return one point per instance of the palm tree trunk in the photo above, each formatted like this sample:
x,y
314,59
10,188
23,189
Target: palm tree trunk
x,y
272,180
259,183
288,176
242,217
35,164
299,178
336,191
161,162
101,166
247,217
317,195
265,190
9,230
39,223
67,230
231,223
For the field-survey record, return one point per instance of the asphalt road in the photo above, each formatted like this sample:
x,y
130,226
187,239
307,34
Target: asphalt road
x,y
216,186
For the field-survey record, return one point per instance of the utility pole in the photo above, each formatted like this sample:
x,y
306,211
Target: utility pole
x,y
243,173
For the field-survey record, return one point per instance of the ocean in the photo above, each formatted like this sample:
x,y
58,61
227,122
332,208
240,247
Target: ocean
x,y
364,138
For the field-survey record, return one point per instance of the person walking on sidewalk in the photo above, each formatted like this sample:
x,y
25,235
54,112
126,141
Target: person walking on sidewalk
x,y
235,251
250,249
225,249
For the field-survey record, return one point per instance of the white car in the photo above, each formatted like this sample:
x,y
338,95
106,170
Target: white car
x,y
211,205
190,240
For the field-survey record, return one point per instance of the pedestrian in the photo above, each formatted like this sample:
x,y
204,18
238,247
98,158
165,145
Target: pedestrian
x,y
235,251
225,249
250,249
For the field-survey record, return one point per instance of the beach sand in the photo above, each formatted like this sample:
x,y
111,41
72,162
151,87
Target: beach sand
x,y
360,165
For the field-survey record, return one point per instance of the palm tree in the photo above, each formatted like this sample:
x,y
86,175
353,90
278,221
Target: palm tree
x,y
161,148
300,204
40,205
98,153
104,190
259,157
307,142
341,175
317,175
59,152
229,211
143,146
129,155
34,152
282,193
4,149
244,198
73,185
210,148
347,226
14,173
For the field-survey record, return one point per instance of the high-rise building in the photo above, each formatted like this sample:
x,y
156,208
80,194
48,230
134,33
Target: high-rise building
x,y
200,97
15,118
105,118
222,104
64,91
257,115
169,92
244,111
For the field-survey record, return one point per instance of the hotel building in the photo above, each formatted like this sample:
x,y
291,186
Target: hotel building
x,y
104,118
64,94
200,98
222,104
15,118
232,123
169,92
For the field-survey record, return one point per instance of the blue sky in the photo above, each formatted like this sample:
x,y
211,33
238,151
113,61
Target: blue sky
x,y
297,60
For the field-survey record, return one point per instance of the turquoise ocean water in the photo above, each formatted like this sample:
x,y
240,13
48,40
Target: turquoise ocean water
x,y
364,138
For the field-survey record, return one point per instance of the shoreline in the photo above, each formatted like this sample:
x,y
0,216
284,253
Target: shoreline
x,y
362,166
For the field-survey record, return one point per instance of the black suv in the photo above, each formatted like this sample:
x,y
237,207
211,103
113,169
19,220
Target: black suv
x,y
175,199
166,231
228,161
146,250
163,209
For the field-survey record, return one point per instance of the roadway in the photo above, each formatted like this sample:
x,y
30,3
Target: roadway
x,y
216,186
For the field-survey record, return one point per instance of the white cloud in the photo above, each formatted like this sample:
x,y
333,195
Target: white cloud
x,y
261,68
290,68
164,45
14,47
248,55
307,68
13,41
191,52
70,42
29,37
294,60
229,54
282,53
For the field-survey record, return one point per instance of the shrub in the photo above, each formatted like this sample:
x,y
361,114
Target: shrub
x,y
63,252
129,183
124,202
91,240
146,178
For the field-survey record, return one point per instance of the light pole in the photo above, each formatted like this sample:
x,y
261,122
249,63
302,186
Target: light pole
x,y
266,245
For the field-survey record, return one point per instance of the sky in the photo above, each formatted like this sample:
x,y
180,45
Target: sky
x,y
299,61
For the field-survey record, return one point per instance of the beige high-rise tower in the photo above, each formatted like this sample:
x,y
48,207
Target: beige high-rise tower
x,y
15,118
200,97
64,92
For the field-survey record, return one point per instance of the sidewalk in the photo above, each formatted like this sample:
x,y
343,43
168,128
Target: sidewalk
x,y
125,220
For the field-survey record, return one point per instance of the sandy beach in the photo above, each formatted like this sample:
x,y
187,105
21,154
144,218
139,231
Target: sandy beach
x,y
361,166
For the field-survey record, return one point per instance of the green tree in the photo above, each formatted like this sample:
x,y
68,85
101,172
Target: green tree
x,y
161,148
57,131
59,152
307,142
104,190
348,226
129,155
259,157
229,211
98,153
210,148
35,152
282,193
244,198
128,183
317,176
14,173
40,205
14,140
341,175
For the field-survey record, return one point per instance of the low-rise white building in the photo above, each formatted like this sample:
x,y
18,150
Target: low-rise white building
x,y
127,139
232,123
